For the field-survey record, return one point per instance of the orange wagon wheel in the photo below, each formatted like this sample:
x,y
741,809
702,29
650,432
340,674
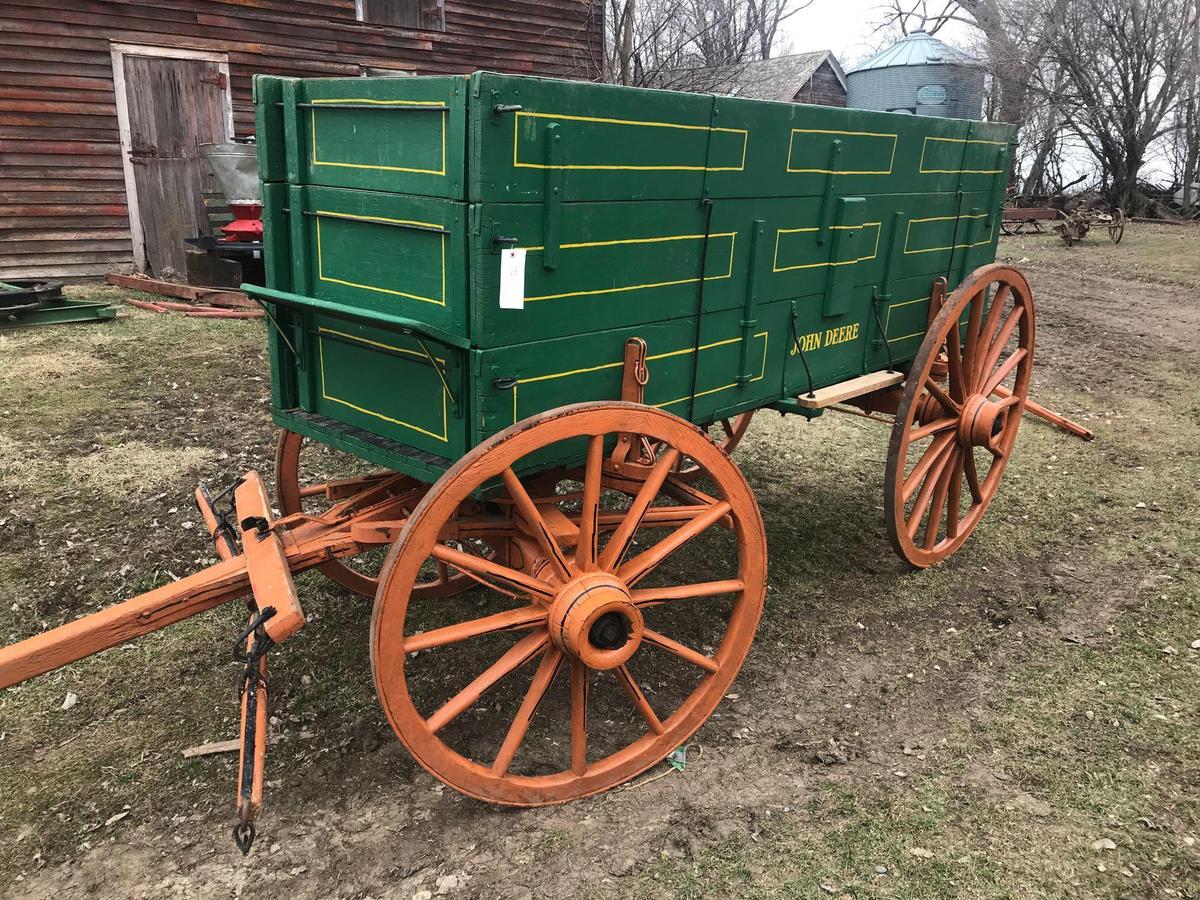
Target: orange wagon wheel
x,y
609,640
731,432
954,434
314,481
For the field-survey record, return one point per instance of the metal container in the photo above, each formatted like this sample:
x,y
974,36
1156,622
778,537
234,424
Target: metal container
x,y
918,75
236,168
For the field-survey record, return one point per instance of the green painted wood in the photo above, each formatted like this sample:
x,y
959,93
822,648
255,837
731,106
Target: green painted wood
x,y
802,234
393,253
405,135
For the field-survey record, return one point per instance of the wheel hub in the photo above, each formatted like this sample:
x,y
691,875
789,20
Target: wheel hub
x,y
982,422
594,620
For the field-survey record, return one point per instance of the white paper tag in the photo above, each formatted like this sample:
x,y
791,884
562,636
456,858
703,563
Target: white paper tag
x,y
512,278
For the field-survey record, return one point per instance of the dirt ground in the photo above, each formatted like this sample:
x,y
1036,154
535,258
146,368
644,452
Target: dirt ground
x,y
1020,722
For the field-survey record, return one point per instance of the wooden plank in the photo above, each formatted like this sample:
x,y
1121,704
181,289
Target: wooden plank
x,y
64,234
213,747
845,390
60,270
46,261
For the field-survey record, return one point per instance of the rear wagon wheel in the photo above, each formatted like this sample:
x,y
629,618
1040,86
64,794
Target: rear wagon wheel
x,y
953,436
315,480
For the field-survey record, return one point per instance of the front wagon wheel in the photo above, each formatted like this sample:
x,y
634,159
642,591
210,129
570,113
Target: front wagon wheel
x,y
620,620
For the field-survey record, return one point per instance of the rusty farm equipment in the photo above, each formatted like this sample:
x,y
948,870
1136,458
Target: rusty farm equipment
x,y
1076,225
517,326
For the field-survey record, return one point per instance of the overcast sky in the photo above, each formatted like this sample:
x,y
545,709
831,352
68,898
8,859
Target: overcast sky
x,y
847,27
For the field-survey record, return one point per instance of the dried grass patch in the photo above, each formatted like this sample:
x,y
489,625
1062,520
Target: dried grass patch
x,y
135,467
38,367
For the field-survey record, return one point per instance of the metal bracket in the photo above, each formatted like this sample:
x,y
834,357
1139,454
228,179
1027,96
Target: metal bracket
x,y
499,241
499,109
835,150
750,304
635,376
552,197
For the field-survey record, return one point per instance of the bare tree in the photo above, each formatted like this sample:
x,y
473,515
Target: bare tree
x,y
1125,63
768,15
1017,34
689,44
1187,137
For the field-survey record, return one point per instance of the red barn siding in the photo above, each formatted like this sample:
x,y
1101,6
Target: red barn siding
x,y
62,190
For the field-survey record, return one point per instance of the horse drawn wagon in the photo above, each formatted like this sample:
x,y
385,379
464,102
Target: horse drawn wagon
x,y
504,314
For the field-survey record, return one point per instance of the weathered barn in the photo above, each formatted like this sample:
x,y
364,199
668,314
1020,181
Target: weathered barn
x,y
104,104
815,77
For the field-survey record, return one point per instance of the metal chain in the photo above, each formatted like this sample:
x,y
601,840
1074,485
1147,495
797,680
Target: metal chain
x,y
800,351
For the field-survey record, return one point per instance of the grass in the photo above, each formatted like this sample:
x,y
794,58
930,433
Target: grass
x,y
1147,252
1001,673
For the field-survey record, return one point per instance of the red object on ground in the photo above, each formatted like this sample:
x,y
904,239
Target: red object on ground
x,y
247,223
198,312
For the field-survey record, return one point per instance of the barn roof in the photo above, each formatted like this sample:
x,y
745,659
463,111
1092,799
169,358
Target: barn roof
x,y
778,78
917,49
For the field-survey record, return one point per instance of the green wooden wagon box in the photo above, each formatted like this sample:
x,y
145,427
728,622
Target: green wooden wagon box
x,y
724,232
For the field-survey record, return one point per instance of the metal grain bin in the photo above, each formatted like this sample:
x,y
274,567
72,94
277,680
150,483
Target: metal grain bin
x,y
918,75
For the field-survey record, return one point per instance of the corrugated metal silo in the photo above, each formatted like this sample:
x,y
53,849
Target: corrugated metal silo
x,y
918,75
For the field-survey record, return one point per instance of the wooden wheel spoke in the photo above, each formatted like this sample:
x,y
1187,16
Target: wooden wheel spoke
x,y
727,427
646,597
940,491
972,474
987,331
537,525
640,703
973,348
585,549
948,402
542,679
516,656
1003,371
526,616
921,469
955,362
923,431
996,350
579,717
683,652
926,494
645,562
484,569
955,492
618,544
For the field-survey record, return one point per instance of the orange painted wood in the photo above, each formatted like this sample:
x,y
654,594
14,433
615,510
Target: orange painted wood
x,y
267,563
1056,419
122,622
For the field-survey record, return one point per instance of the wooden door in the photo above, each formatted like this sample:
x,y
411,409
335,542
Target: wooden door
x,y
172,107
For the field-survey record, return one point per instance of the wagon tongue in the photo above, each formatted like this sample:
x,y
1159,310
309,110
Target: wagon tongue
x,y
258,555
